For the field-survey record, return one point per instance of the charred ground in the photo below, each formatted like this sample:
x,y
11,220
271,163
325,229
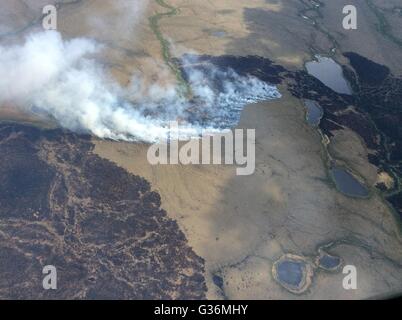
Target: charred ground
x,y
102,227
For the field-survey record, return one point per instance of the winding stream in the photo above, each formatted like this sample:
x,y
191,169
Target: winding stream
x,y
154,22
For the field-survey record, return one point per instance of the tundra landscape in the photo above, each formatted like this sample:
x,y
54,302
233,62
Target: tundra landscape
x,y
81,105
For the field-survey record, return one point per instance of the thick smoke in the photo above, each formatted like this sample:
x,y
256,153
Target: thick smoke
x,y
122,17
61,79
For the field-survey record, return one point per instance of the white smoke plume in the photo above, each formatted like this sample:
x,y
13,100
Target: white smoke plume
x,y
120,19
61,79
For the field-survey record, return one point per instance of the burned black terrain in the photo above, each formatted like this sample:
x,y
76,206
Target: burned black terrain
x,y
379,94
101,227
262,68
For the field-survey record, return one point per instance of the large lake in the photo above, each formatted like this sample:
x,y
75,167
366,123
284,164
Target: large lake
x,y
329,73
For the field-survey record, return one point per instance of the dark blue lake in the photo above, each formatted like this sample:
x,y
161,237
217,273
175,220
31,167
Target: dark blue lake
x,y
348,184
290,272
